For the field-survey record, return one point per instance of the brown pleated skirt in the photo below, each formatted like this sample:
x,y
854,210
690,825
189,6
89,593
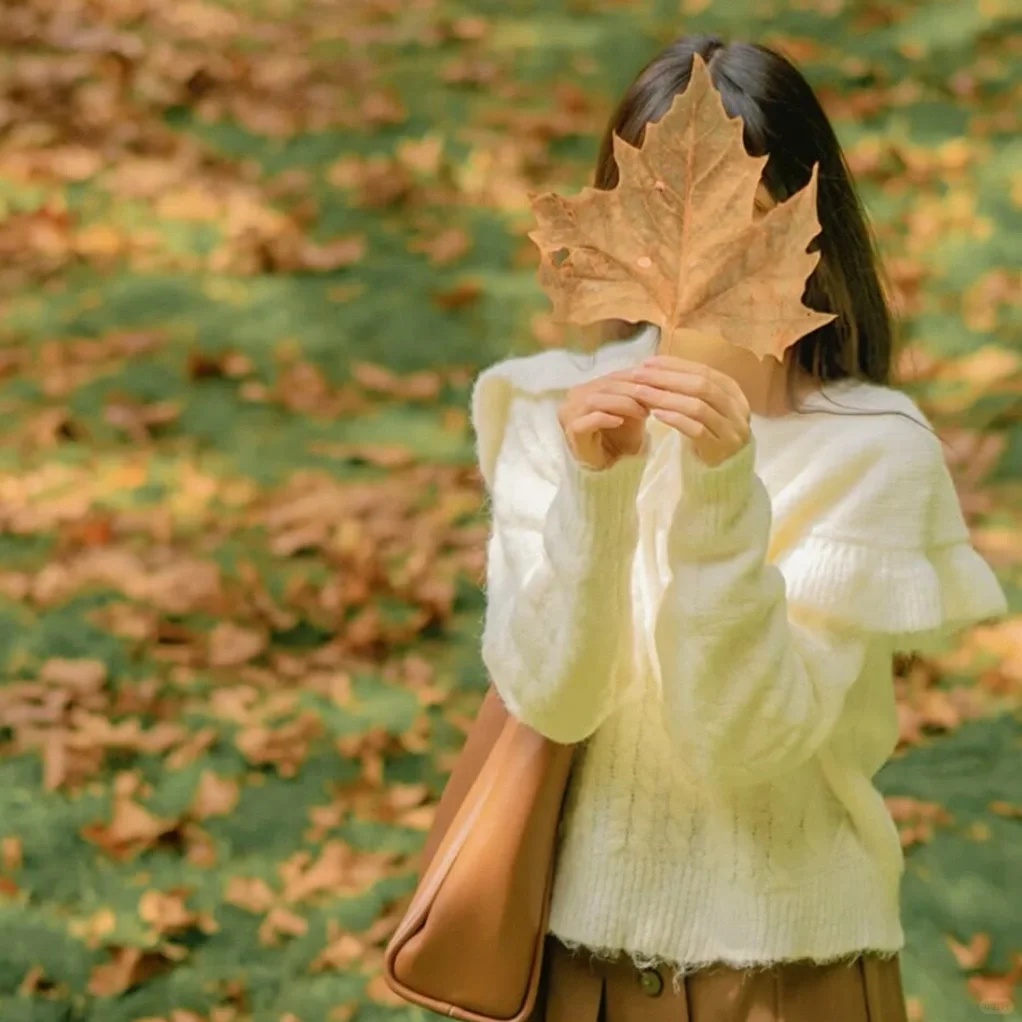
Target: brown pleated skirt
x,y
577,987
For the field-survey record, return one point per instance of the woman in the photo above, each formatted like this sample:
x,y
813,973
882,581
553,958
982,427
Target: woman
x,y
699,570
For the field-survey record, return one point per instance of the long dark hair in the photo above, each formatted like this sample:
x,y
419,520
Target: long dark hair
x,y
783,120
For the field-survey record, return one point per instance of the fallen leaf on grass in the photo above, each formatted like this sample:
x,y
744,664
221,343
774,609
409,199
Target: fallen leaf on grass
x,y
250,893
138,420
286,746
131,829
94,529
916,818
78,675
127,967
204,365
382,455
193,746
35,983
231,645
331,871
10,853
421,155
342,951
421,386
1006,809
995,992
443,248
379,181
166,913
94,928
339,869
463,293
214,796
182,1015
379,993
973,954
281,921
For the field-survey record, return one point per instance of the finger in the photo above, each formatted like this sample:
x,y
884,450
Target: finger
x,y
692,428
621,400
597,381
718,425
722,382
616,381
590,399
594,420
696,432
722,379
726,396
697,385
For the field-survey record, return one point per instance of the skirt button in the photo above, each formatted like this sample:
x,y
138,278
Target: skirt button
x,y
651,982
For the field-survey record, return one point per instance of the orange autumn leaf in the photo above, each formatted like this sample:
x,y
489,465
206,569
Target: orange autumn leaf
x,y
166,913
94,928
677,242
973,954
131,829
214,796
231,645
127,967
379,992
250,893
1005,809
81,676
995,992
280,922
10,853
328,873
342,950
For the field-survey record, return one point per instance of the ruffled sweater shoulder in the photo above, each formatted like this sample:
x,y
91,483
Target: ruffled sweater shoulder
x,y
867,526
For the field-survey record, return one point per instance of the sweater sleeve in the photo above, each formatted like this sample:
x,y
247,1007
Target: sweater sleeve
x,y
558,621
755,658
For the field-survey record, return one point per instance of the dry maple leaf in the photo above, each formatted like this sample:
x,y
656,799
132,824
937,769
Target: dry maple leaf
x,y
250,893
231,645
10,853
677,242
131,829
167,913
127,967
214,796
379,992
973,954
281,921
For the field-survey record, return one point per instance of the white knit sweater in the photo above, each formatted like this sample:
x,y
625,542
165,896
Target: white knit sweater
x,y
719,639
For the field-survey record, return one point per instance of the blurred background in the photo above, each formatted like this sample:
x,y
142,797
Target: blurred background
x,y
252,254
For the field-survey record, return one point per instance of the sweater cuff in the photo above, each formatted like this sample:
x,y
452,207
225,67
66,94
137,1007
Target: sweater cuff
x,y
718,491
593,519
606,495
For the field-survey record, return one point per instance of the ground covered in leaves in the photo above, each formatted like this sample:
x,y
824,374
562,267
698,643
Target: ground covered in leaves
x,y
251,255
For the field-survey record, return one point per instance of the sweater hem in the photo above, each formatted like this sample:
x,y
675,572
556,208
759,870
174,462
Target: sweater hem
x,y
680,970
695,913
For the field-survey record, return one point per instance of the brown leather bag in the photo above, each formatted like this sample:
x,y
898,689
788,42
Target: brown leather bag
x,y
470,944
